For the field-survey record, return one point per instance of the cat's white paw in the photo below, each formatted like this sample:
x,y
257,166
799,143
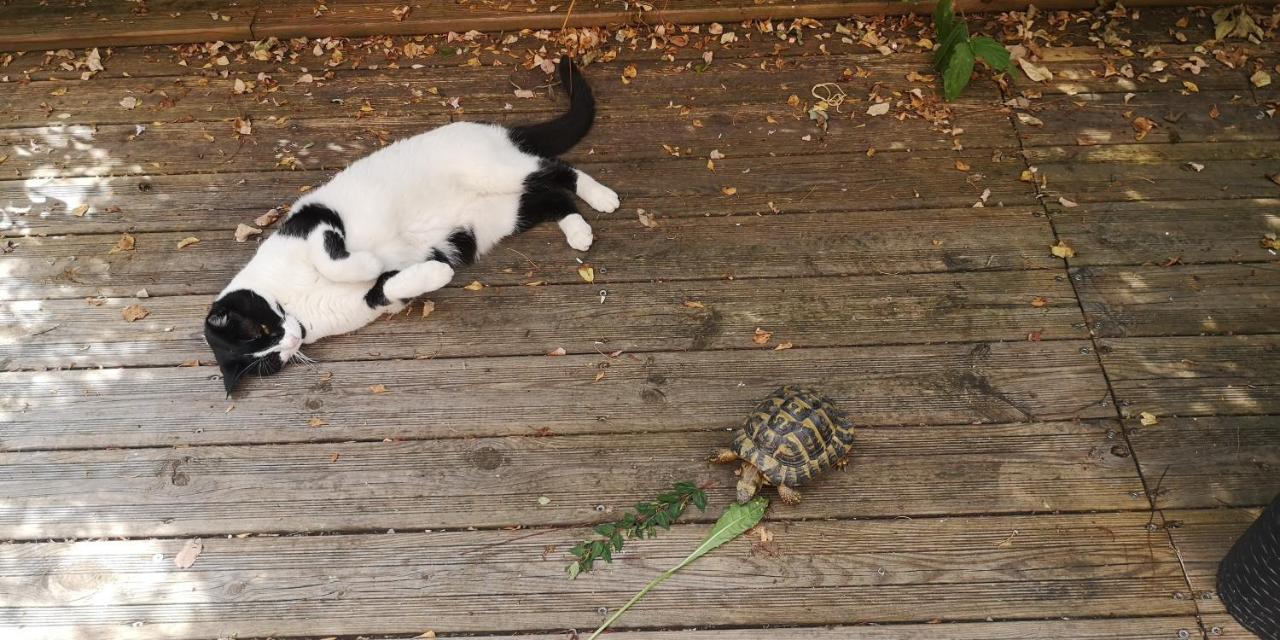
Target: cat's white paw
x,y
418,279
600,197
577,232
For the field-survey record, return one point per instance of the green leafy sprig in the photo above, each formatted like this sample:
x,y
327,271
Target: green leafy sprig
x,y
958,51
636,525
735,521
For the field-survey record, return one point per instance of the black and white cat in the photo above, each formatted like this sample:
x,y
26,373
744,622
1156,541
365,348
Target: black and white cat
x,y
395,224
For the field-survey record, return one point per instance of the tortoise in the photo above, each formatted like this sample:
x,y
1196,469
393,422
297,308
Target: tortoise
x,y
792,435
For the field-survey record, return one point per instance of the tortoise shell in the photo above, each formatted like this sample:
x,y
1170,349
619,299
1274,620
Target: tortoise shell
x,y
793,435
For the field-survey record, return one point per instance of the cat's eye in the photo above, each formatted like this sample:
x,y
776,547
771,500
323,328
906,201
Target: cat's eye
x,y
265,329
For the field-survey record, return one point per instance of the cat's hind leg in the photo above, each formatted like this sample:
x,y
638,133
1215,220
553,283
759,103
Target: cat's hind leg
x,y
547,204
415,280
328,251
600,197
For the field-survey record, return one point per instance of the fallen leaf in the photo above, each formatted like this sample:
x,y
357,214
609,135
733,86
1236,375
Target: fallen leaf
x,y
715,155
80,211
1142,125
187,556
694,304
524,93
599,376
1148,419
1035,336
317,422
268,218
878,109
1195,166
244,231
558,351
961,165
95,301
238,87
142,293
1260,78
1030,120
1038,302
475,285
428,306
242,126
129,102
1061,250
646,219
378,389
729,191
188,241
1215,112
1067,203
125,243
1034,71
762,336
782,346
1270,241
426,635
587,272
134,313
628,74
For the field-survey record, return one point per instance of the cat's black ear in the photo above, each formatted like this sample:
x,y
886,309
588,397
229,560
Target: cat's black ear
x,y
232,371
218,319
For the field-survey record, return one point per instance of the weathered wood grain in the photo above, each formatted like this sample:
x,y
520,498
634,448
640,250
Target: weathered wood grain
x,y
1222,625
1180,300
1087,182
1190,376
942,384
951,568
32,24
1203,537
1107,118
1210,462
666,187
634,317
1158,231
500,482
332,143
833,243
1156,628
408,93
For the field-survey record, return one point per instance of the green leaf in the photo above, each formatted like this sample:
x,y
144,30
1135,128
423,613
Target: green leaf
x,y
944,17
733,523
958,36
993,53
700,500
605,529
959,69
574,569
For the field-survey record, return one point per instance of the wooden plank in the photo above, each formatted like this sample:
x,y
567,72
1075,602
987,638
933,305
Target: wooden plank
x,y
634,317
1210,461
1100,119
1157,231
1203,537
499,482
834,243
1206,153
1157,628
808,183
33,24
1180,300
1053,566
941,384
1222,625
737,132
1083,182
409,93
1233,375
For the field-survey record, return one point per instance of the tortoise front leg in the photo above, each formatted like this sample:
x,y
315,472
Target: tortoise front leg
x,y
725,456
788,494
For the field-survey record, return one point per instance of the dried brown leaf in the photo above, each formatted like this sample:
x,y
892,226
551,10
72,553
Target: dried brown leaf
x,y
134,313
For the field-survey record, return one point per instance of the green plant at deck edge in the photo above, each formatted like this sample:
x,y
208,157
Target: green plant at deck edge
x,y
957,51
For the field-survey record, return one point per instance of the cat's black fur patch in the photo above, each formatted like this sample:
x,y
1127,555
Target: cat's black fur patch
x,y
438,256
335,246
463,242
239,325
553,174
553,138
543,205
375,297
306,219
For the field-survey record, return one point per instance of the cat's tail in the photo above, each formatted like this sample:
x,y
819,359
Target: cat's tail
x,y
552,138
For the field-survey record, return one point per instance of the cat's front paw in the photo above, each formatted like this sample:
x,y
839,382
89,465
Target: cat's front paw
x,y
600,197
418,279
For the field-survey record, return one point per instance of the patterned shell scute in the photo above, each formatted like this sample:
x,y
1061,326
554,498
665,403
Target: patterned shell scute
x,y
793,435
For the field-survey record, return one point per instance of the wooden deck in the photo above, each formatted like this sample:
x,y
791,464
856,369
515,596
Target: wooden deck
x,y
1003,486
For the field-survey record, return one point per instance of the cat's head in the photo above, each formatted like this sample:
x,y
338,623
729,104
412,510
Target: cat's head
x,y
250,335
